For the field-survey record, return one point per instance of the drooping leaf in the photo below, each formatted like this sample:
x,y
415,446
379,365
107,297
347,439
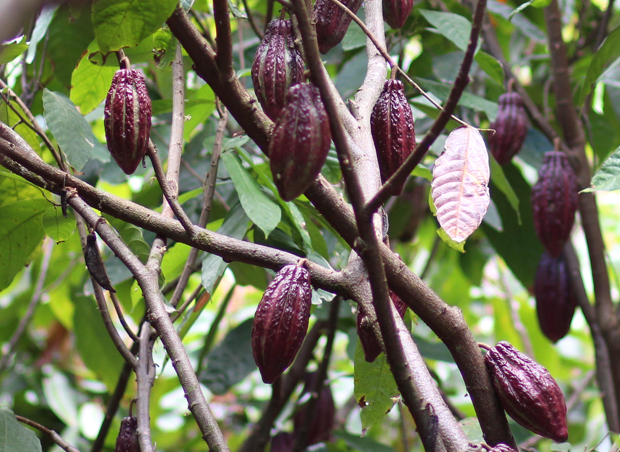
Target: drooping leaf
x,y
491,66
231,360
70,129
607,178
124,23
460,183
264,212
14,437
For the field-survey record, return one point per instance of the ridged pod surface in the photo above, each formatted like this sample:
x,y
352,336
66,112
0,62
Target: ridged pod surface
x,y
332,22
281,321
391,124
320,422
277,66
395,12
127,119
370,344
300,141
510,128
127,440
528,392
501,447
555,299
554,201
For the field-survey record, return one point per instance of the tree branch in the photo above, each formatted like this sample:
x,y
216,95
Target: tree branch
x,y
50,433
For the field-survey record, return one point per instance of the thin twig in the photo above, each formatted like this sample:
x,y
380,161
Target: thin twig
x,y
248,11
121,317
50,433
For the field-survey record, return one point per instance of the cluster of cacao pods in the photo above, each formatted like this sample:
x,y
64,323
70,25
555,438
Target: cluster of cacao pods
x,y
510,128
127,439
127,118
554,201
332,22
370,344
393,133
277,66
528,392
281,321
395,12
300,141
555,299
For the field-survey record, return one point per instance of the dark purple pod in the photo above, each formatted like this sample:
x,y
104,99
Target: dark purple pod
x,y
277,66
528,392
320,422
281,321
127,440
127,119
555,299
392,128
332,22
300,141
395,12
510,128
554,201
501,447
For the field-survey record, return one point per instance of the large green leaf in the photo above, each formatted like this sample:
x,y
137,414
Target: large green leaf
x,y
70,129
93,342
90,82
231,360
607,178
375,388
21,233
124,23
453,26
14,437
263,212
608,53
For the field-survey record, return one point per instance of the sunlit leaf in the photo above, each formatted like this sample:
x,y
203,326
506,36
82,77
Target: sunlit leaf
x,y
460,187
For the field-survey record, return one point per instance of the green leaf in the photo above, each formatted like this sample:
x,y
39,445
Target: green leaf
x,y
56,225
264,212
453,26
607,178
500,181
354,38
90,82
21,233
519,20
73,133
362,444
433,350
231,360
608,53
40,30
124,23
174,261
93,342
14,437
375,388
10,118
443,235
491,66
61,397
442,91
8,52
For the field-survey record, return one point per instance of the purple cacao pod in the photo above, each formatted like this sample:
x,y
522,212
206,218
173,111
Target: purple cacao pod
x,y
127,440
320,422
332,22
554,201
281,321
127,119
528,392
300,141
391,124
283,442
555,299
395,12
510,128
501,447
277,66
371,346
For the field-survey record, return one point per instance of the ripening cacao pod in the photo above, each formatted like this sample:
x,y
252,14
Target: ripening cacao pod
x,y
319,422
554,201
528,392
371,346
127,440
510,128
283,442
281,321
300,141
332,22
277,65
127,119
501,447
391,124
555,299
395,12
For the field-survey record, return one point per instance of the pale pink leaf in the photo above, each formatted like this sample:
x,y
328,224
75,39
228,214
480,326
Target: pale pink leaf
x,y
460,186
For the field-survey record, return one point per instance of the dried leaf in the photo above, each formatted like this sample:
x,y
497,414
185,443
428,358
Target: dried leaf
x,y
460,187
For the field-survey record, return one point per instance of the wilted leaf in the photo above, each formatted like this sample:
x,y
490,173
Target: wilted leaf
x,y
460,183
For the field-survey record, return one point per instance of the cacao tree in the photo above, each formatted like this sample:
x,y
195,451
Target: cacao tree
x,y
241,225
